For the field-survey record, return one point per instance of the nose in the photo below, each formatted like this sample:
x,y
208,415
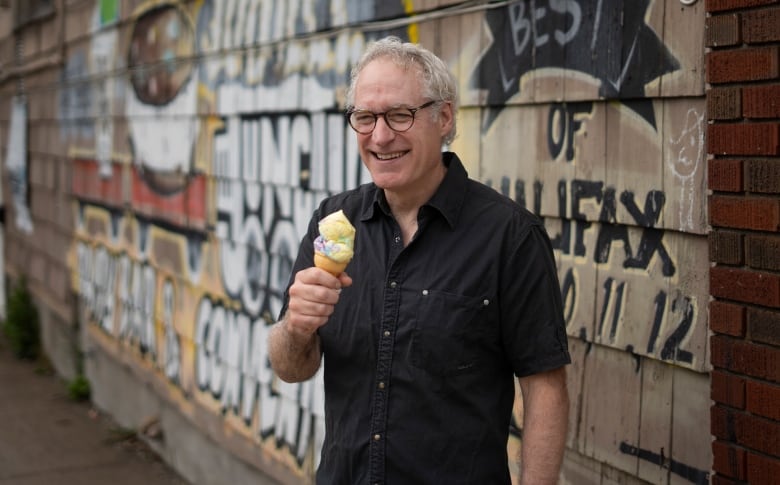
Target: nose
x,y
382,132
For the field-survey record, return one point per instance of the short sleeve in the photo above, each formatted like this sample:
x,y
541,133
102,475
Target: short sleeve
x,y
532,323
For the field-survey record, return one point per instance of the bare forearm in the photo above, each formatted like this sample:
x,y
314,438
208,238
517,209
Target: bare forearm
x,y
294,357
545,424
542,453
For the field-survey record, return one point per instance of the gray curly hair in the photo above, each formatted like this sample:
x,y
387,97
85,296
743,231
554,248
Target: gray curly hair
x,y
438,82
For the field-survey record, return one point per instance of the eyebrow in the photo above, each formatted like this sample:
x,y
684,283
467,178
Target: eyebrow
x,y
389,108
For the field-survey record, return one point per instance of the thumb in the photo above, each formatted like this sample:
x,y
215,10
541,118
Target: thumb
x,y
345,280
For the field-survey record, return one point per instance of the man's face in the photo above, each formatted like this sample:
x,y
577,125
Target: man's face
x,y
399,162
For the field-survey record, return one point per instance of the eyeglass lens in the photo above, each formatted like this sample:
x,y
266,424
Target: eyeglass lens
x,y
398,119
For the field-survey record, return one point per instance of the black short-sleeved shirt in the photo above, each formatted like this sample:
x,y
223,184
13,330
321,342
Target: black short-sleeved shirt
x,y
420,353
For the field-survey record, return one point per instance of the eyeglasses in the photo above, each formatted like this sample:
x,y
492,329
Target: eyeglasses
x,y
398,119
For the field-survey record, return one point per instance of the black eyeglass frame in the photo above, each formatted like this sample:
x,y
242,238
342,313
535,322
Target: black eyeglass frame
x,y
383,114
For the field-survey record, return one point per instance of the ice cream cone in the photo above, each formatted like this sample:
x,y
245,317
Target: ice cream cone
x,y
333,248
332,267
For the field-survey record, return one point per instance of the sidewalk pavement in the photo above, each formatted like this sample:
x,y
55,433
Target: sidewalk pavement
x,y
46,438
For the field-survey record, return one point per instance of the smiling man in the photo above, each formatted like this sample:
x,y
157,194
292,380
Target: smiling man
x,y
452,293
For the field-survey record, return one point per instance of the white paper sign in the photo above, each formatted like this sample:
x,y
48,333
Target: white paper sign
x,y
16,163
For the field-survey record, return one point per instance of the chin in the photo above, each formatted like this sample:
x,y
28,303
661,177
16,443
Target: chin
x,y
385,184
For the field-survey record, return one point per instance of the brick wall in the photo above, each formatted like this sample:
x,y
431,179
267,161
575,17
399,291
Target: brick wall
x,y
743,101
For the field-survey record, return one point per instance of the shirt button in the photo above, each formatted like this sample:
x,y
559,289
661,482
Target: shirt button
x,y
485,302
387,333
397,239
425,292
377,437
381,385
393,284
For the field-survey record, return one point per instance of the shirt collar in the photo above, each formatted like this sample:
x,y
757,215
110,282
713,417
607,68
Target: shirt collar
x,y
447,200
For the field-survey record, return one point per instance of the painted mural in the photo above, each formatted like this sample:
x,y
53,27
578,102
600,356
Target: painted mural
x,y
201,164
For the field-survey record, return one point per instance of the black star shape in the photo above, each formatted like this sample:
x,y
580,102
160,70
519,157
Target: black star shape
x,y
606,39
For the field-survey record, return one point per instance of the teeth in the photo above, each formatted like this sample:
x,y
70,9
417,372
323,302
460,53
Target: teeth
x,y
388,156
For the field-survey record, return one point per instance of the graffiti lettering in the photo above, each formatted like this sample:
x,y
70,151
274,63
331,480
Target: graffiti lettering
x,y
97,272
112,286
267,192
612,304
232,25
682,311
525,24
671,350
137,290
584,206
172,356
232,365
575,220
564,121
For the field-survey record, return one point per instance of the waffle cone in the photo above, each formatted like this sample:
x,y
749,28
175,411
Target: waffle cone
x,y
333,267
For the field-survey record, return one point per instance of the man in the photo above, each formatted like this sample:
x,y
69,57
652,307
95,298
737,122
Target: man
x,y
455,290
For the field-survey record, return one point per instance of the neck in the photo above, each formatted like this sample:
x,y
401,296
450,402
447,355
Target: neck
x,y
408,201
405,204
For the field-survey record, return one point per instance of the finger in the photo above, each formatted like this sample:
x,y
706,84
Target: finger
x,y
318,276
345,280
315,293
310,308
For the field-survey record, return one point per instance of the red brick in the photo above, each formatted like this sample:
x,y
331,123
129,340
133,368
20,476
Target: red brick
x,y
727,318
728,389
729,460
761,25
757,433
761,101
725,175
763,326
762,470
763,399
722,5
723,423
735,65
763,252
744,139
762,176
722,30
724,103
745,286
760,214
754,360
726,247
721,480
756,213
771,360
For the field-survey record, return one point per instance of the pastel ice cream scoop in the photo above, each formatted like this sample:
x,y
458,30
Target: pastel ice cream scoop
x,y
333,248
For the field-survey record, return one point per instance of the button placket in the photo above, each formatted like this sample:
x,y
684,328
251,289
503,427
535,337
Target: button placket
x,y
382,377
390,307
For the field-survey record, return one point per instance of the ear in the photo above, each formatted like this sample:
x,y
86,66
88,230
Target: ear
x,y
445,118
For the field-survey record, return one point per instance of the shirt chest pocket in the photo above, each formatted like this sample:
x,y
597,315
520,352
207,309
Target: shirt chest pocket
x,y
452,334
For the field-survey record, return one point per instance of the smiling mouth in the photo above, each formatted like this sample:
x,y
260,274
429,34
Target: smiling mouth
x,y
389,156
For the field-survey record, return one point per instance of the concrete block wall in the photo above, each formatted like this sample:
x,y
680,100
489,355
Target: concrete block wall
x,y
743,99
36,195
